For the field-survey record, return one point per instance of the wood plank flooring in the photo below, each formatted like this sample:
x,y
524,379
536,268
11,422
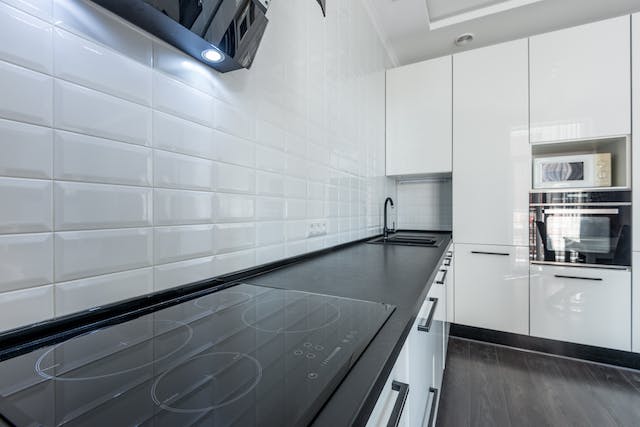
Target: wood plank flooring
x,y
488,385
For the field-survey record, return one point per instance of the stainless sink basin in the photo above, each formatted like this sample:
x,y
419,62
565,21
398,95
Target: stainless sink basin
x,y
409,240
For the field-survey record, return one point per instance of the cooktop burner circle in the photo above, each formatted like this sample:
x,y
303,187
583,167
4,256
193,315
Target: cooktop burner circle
x,y
221,300
189,386
297,312
43,367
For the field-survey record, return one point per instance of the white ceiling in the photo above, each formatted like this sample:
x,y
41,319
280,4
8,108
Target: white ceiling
x,y
414,30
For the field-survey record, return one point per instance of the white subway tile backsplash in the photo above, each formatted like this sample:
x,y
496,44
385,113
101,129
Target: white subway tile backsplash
x,y
269,233
182,136
269,134
269,184
268,254
232,207
234,261
25,306
179,171
234,179
296,209
231,149
83,110
27,40
26,260
230,120
295,187
296,166
184,242
296,248
26,95
83,294
174,97
181,207
296,230
234,237
270,159
81,254
26,205
82,206
90,64
269,208
43,9
26,150
180,273
79,157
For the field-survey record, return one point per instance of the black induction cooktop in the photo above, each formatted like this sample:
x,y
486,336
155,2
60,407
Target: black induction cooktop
x,y
244,356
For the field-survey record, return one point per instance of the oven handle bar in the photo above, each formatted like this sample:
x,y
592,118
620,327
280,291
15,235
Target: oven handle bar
x,y
563,276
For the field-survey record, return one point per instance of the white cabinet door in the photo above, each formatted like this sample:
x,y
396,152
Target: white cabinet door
x,y
419,118
450,284
491,155
635,304
492,287
580,82
635,167
582,305
388,397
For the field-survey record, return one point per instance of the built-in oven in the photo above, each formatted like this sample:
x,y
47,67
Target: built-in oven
x,y
587,228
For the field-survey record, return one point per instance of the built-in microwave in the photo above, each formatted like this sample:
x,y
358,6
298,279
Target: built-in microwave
x,y
573,171
589,228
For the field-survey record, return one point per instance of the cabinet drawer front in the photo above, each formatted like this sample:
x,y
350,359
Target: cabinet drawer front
x,y
582,305
492,287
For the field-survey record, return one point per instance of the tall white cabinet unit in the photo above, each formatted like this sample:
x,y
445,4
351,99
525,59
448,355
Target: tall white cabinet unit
x,y
491,181
635,290
418,137
580,82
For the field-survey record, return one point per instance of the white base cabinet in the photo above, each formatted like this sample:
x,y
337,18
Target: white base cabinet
x,y
492,287
582,305
635,303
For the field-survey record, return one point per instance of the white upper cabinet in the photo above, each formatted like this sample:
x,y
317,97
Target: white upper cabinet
x,y
491,156
580,82
419,118
635,167
635,304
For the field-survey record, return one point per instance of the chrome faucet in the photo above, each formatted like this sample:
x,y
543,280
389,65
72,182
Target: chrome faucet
x,y
386,230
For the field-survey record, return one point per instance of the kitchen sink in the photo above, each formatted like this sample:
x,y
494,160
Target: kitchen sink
x,y
409,240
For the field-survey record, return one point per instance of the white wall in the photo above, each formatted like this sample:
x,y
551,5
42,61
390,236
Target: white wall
x,y
424,205
128,168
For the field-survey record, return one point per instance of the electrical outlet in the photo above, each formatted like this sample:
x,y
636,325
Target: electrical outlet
x,y
317,228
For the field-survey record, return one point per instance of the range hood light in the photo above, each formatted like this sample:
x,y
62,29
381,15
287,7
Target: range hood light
x,y
212,55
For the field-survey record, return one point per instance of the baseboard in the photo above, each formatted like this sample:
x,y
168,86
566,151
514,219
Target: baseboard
x,y
620,358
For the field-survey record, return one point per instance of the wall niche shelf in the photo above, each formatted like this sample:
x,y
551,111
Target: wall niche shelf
x,y
619,146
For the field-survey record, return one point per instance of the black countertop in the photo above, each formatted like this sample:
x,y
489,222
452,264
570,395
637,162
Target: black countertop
x,y
392,274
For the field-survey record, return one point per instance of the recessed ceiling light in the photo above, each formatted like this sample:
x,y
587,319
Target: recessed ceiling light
x,y
212,55
464,39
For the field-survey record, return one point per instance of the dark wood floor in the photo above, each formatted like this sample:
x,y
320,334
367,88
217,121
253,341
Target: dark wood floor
x,y
487,385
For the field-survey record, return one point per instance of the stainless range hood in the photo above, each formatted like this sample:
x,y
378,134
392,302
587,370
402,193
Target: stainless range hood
x,y
224,34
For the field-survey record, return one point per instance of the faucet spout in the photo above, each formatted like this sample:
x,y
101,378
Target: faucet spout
x,y
386,230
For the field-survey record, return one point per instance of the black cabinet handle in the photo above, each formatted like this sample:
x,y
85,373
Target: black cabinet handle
x,y
425,324
434,401
562,276
447,262
444,276
403,392
490,253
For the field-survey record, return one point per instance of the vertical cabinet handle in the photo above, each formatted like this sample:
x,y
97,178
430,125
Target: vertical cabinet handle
x,y
424,325
396,413
434,401
444,276
447,262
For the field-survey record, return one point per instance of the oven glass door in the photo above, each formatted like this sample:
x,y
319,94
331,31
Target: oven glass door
x,y
582,235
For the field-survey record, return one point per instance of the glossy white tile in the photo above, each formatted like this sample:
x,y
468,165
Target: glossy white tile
x,y
26,205
233,207
30,40
232,121
269,208
174,97
269,184
25,306
269,233
173,170
83,206
234,237
268,254
296,230
26,95
269,134
83,110
79,157
227,263
234,179
182,136
296,248
78,295
176,207
270,159
98,67
296,166
180,273
185,242
231,149
295,187
43,9
81,254
295,209
26,260
26,150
